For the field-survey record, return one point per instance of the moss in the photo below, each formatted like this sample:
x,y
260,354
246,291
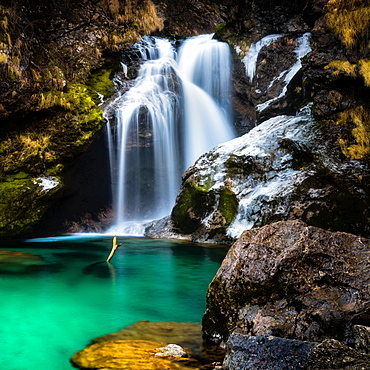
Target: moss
x,y
342,66
219,27
193,202
101,82
22,204
228,205
72,119
364,66
359,117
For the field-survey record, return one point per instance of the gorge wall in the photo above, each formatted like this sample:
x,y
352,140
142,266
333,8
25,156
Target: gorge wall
x,y
57,62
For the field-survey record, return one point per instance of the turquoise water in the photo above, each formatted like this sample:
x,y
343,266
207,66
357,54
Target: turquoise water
x,y
50,311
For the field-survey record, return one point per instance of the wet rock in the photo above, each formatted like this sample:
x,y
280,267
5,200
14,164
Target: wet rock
x,y
293,281
20,258
331,354
186,335
127,354
171,350
361,335
265,352
171,345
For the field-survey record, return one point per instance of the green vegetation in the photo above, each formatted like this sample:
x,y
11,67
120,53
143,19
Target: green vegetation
x,y
72,120
193,202
228,205
22,204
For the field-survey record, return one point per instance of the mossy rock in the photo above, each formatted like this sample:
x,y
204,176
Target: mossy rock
x,y
228,205
23,202
193,203
101,82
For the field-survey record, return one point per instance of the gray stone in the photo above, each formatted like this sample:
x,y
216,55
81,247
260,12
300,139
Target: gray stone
x,y
246,352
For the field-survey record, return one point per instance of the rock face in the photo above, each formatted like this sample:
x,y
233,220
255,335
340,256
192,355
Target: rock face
x,y
293,281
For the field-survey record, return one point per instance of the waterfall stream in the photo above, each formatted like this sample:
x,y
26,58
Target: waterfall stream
x,y
177,109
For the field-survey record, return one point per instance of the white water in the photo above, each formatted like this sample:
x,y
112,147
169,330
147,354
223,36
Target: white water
x,y
303,48
250,59
177,109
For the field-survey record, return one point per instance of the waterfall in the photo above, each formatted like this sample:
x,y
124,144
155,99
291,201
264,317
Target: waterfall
x,y
302,49
177,109
250,59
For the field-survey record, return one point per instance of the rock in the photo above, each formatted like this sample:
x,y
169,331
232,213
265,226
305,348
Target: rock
x,y
285,168
126,354
171,350
293,281
246,352
361,335
186,335
332,354
12,262
21,258
180,342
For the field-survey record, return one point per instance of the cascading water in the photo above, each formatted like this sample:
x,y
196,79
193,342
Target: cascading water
x,y
176,111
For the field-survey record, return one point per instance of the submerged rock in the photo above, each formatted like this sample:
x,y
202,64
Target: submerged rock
x,y
127,354
293,281
13,262
150,345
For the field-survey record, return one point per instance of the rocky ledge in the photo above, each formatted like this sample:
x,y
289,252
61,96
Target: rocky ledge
x,y
288,293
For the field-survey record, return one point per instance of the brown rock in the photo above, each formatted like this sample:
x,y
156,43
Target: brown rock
x,y
290,280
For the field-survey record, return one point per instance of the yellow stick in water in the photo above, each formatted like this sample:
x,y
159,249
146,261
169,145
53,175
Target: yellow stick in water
x,y
114,247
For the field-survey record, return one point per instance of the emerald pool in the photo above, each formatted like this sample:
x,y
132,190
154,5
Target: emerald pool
x,y
51,310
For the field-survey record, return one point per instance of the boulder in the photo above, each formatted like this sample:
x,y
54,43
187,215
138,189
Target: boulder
x,y
15,263
293,281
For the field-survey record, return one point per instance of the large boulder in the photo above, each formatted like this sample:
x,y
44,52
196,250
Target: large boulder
x,y
283,169
293,281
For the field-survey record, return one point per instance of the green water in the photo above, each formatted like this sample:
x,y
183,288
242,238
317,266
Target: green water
x,y
50,311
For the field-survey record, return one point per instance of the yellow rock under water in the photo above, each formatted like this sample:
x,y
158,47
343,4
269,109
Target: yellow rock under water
x,y
130,355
